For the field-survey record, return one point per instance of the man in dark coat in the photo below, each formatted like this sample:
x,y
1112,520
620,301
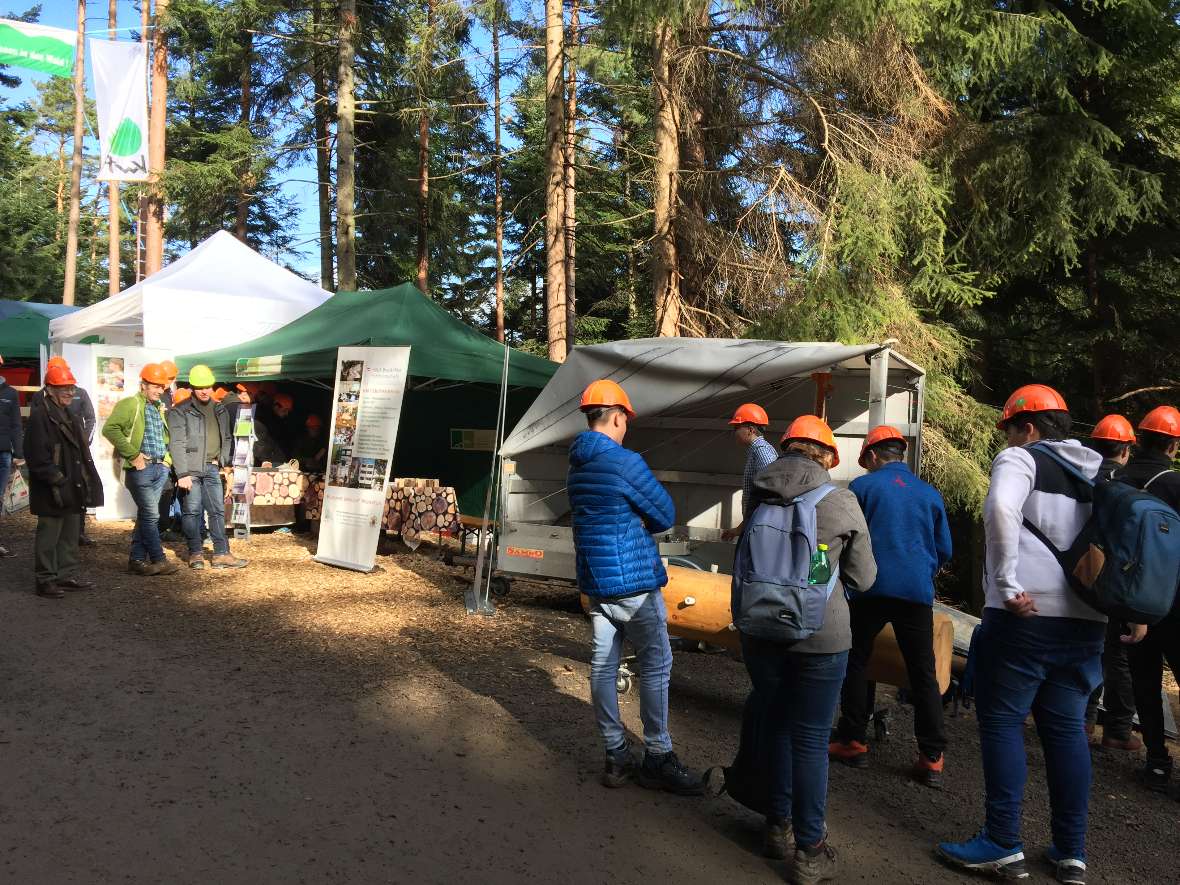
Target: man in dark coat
x,y
63,482
10,441
81,408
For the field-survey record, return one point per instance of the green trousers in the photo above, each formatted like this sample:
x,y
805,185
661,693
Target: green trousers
x,y
55,547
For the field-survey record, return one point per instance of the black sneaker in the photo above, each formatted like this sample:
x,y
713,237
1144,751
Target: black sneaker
x,y
777,839
664,772
813,865
1157,773
620,767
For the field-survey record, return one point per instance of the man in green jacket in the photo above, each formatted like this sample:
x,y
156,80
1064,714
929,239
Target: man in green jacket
x,y
139,432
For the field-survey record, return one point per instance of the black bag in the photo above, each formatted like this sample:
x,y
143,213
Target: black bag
x,y
747,779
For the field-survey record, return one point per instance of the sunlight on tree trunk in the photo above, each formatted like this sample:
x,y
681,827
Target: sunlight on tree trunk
x,y
665,275
555,248
345,155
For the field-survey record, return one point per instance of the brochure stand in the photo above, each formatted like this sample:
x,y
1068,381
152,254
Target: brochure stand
x,y
243,466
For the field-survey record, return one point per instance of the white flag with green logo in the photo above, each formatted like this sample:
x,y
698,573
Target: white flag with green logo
x,y
120,98
40,48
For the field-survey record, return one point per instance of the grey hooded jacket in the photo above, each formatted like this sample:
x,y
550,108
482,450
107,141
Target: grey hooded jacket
x,y
841,525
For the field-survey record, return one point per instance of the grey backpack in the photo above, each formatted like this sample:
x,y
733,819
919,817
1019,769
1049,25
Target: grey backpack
x,y
771,597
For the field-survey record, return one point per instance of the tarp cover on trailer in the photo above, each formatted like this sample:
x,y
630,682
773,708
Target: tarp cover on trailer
x,y
441,345
671,377
22,334
219,293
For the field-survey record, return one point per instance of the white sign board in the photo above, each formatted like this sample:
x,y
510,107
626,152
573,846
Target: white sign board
x,y
366,410
109,373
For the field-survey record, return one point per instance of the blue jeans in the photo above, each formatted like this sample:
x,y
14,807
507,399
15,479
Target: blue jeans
x,y
206,493
799,693
1049,667
146,486
642,620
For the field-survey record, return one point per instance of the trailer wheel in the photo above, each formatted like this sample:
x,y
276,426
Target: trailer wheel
x,y
623,683
500,586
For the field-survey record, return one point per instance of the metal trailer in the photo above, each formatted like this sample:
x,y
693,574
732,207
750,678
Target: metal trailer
x,y
685,391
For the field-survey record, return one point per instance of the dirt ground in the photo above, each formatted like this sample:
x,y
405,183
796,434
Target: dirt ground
x,y
298,723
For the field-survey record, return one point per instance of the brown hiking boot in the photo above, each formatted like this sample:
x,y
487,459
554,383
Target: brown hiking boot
x,y
49,590
139,567
777,839
851,753
75,584
227,560
163,567
1130,744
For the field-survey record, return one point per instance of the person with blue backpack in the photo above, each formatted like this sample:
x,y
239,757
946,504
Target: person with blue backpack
x,y
804,545
911,542
617,505
1039,646
1150,469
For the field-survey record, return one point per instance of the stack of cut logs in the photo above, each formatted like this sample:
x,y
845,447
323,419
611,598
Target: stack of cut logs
x,y
277,487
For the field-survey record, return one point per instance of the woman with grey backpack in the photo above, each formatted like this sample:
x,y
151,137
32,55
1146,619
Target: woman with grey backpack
x,y
805,544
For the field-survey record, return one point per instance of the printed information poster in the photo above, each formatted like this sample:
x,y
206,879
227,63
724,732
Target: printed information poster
x,y
367,407
109,373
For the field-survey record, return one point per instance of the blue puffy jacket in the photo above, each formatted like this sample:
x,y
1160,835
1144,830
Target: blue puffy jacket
x,y
617,505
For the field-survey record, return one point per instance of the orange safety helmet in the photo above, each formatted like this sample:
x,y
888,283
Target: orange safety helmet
x,y
284,400
57,361
880,435
1114,428
750,413
1032,398
1162,419
809,428
603,394
170,369
219,393
313,421
153,373
60,376
181,395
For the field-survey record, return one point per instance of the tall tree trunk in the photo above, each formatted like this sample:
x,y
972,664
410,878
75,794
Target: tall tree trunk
x,y
114,244
157,126
632,282
67,295
571,144
323,155
1106,357
58,227
245,110
424,157
499,169
555,250
665,275
345,153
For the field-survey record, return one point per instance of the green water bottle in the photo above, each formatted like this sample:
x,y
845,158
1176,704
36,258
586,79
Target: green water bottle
x,y
821,570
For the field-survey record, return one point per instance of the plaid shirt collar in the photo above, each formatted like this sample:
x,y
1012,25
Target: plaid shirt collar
x,y
153,431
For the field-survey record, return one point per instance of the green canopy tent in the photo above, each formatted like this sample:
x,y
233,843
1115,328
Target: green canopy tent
x,y
23,334
442,346
457,377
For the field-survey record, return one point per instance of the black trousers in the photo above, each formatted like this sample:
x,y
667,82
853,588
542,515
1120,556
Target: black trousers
x,y
1146,659
1116,692
913,624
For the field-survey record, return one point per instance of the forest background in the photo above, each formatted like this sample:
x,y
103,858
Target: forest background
x,y
993,184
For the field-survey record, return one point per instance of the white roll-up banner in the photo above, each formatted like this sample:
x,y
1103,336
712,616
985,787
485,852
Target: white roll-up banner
x,y
109,373
120,99
366,410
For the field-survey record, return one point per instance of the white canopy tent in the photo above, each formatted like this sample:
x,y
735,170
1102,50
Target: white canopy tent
x,y
219,294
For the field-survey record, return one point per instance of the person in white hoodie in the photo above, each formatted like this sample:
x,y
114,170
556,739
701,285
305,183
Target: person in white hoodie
x,y
1039,648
